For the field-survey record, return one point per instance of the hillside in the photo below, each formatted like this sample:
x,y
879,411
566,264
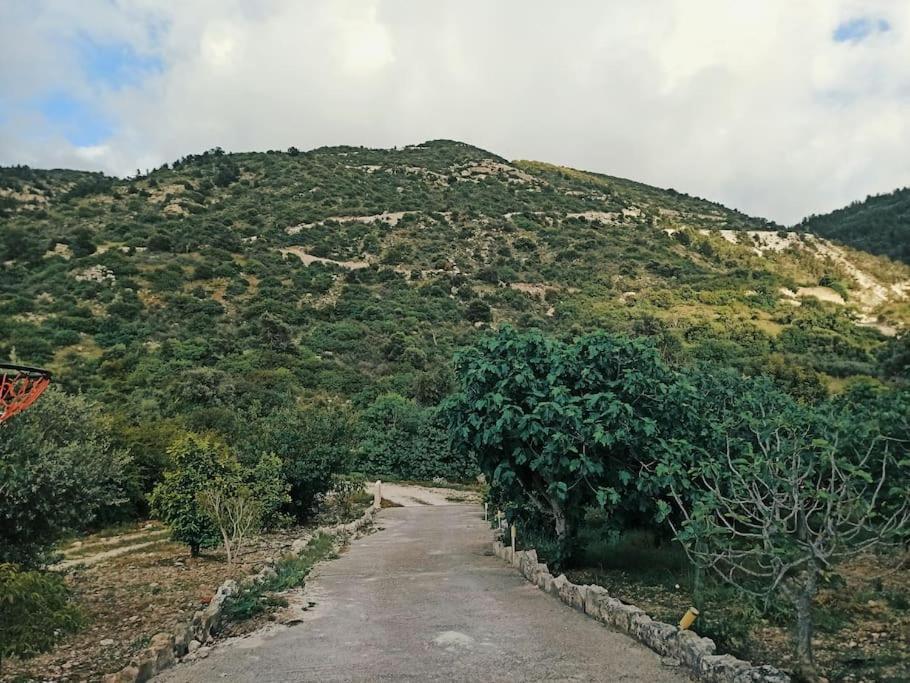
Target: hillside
x,y
880,225
206,288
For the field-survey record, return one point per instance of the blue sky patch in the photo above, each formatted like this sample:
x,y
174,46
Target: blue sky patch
x,y
859,28
79,122
115,65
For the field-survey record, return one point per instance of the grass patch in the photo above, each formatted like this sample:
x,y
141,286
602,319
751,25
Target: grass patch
x,y
290,572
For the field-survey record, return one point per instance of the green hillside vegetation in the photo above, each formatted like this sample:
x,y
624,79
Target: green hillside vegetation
x,y
258,326
880,224
243,294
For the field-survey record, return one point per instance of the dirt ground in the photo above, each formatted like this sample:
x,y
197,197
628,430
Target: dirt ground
x,y
133,585
862,618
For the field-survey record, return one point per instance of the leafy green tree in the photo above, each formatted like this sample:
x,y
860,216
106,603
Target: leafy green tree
x,y
198,463
313,442
559,426
59,472
35,611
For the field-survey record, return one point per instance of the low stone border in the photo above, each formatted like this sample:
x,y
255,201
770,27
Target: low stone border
x,y
687,647
165,649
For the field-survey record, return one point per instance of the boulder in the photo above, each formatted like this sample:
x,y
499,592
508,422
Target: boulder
x,y
182,637
657,636
144,663
761,674
690,648
619,615
556,585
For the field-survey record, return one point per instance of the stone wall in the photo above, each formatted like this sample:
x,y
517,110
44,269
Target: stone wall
x,y
165,649
686,648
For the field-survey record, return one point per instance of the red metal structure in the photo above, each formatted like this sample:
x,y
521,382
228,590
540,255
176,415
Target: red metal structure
x,y
20,386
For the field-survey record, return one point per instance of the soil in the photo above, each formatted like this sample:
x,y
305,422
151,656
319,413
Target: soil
x,y
132,586
862,630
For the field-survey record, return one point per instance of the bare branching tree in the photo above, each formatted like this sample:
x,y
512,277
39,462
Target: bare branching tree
x,y
779,508
236,514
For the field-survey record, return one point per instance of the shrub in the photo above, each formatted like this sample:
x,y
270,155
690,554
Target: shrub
x,y
35,611
60,473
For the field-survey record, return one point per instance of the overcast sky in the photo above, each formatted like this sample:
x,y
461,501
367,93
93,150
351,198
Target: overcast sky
x,y
777,107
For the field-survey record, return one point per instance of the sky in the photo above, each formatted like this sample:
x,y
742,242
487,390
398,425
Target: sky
x,y
780,108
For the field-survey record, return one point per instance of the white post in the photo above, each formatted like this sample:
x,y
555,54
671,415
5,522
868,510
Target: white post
x,y
513,540
377,495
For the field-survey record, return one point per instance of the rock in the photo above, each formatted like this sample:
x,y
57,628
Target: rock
x,y
690,648
128,674
657,636
193,645
593,601
182,637
204,652
107,642
161,647
573,595
145,664
669,661
618,614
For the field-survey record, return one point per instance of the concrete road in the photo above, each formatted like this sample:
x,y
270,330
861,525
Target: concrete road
x,y
423,599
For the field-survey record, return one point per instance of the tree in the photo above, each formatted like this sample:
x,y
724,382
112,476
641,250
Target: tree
x,y
82,242
774,494
19,244
59,472
559,426
234,511
313,443
198,463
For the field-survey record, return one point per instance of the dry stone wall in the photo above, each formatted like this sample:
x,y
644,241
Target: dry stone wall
x,y
685,647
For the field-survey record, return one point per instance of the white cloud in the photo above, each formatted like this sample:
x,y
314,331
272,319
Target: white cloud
x,y
752,104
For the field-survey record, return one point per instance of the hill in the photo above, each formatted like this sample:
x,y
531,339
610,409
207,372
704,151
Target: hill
x,y
880,225
212,289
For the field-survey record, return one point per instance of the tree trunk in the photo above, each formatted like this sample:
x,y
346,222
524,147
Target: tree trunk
x,y
804,593
561,527
227,544
698,587
194,550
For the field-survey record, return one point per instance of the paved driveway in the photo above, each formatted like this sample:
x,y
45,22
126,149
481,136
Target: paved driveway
x,y
423,599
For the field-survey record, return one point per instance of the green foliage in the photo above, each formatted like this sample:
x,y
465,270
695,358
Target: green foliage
x,y
559,426
35,611
198,463
398,438
771,494
880,224
313,443
178,309
60,472
290,572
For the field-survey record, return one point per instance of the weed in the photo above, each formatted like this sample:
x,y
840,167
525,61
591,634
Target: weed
x,y
290,572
